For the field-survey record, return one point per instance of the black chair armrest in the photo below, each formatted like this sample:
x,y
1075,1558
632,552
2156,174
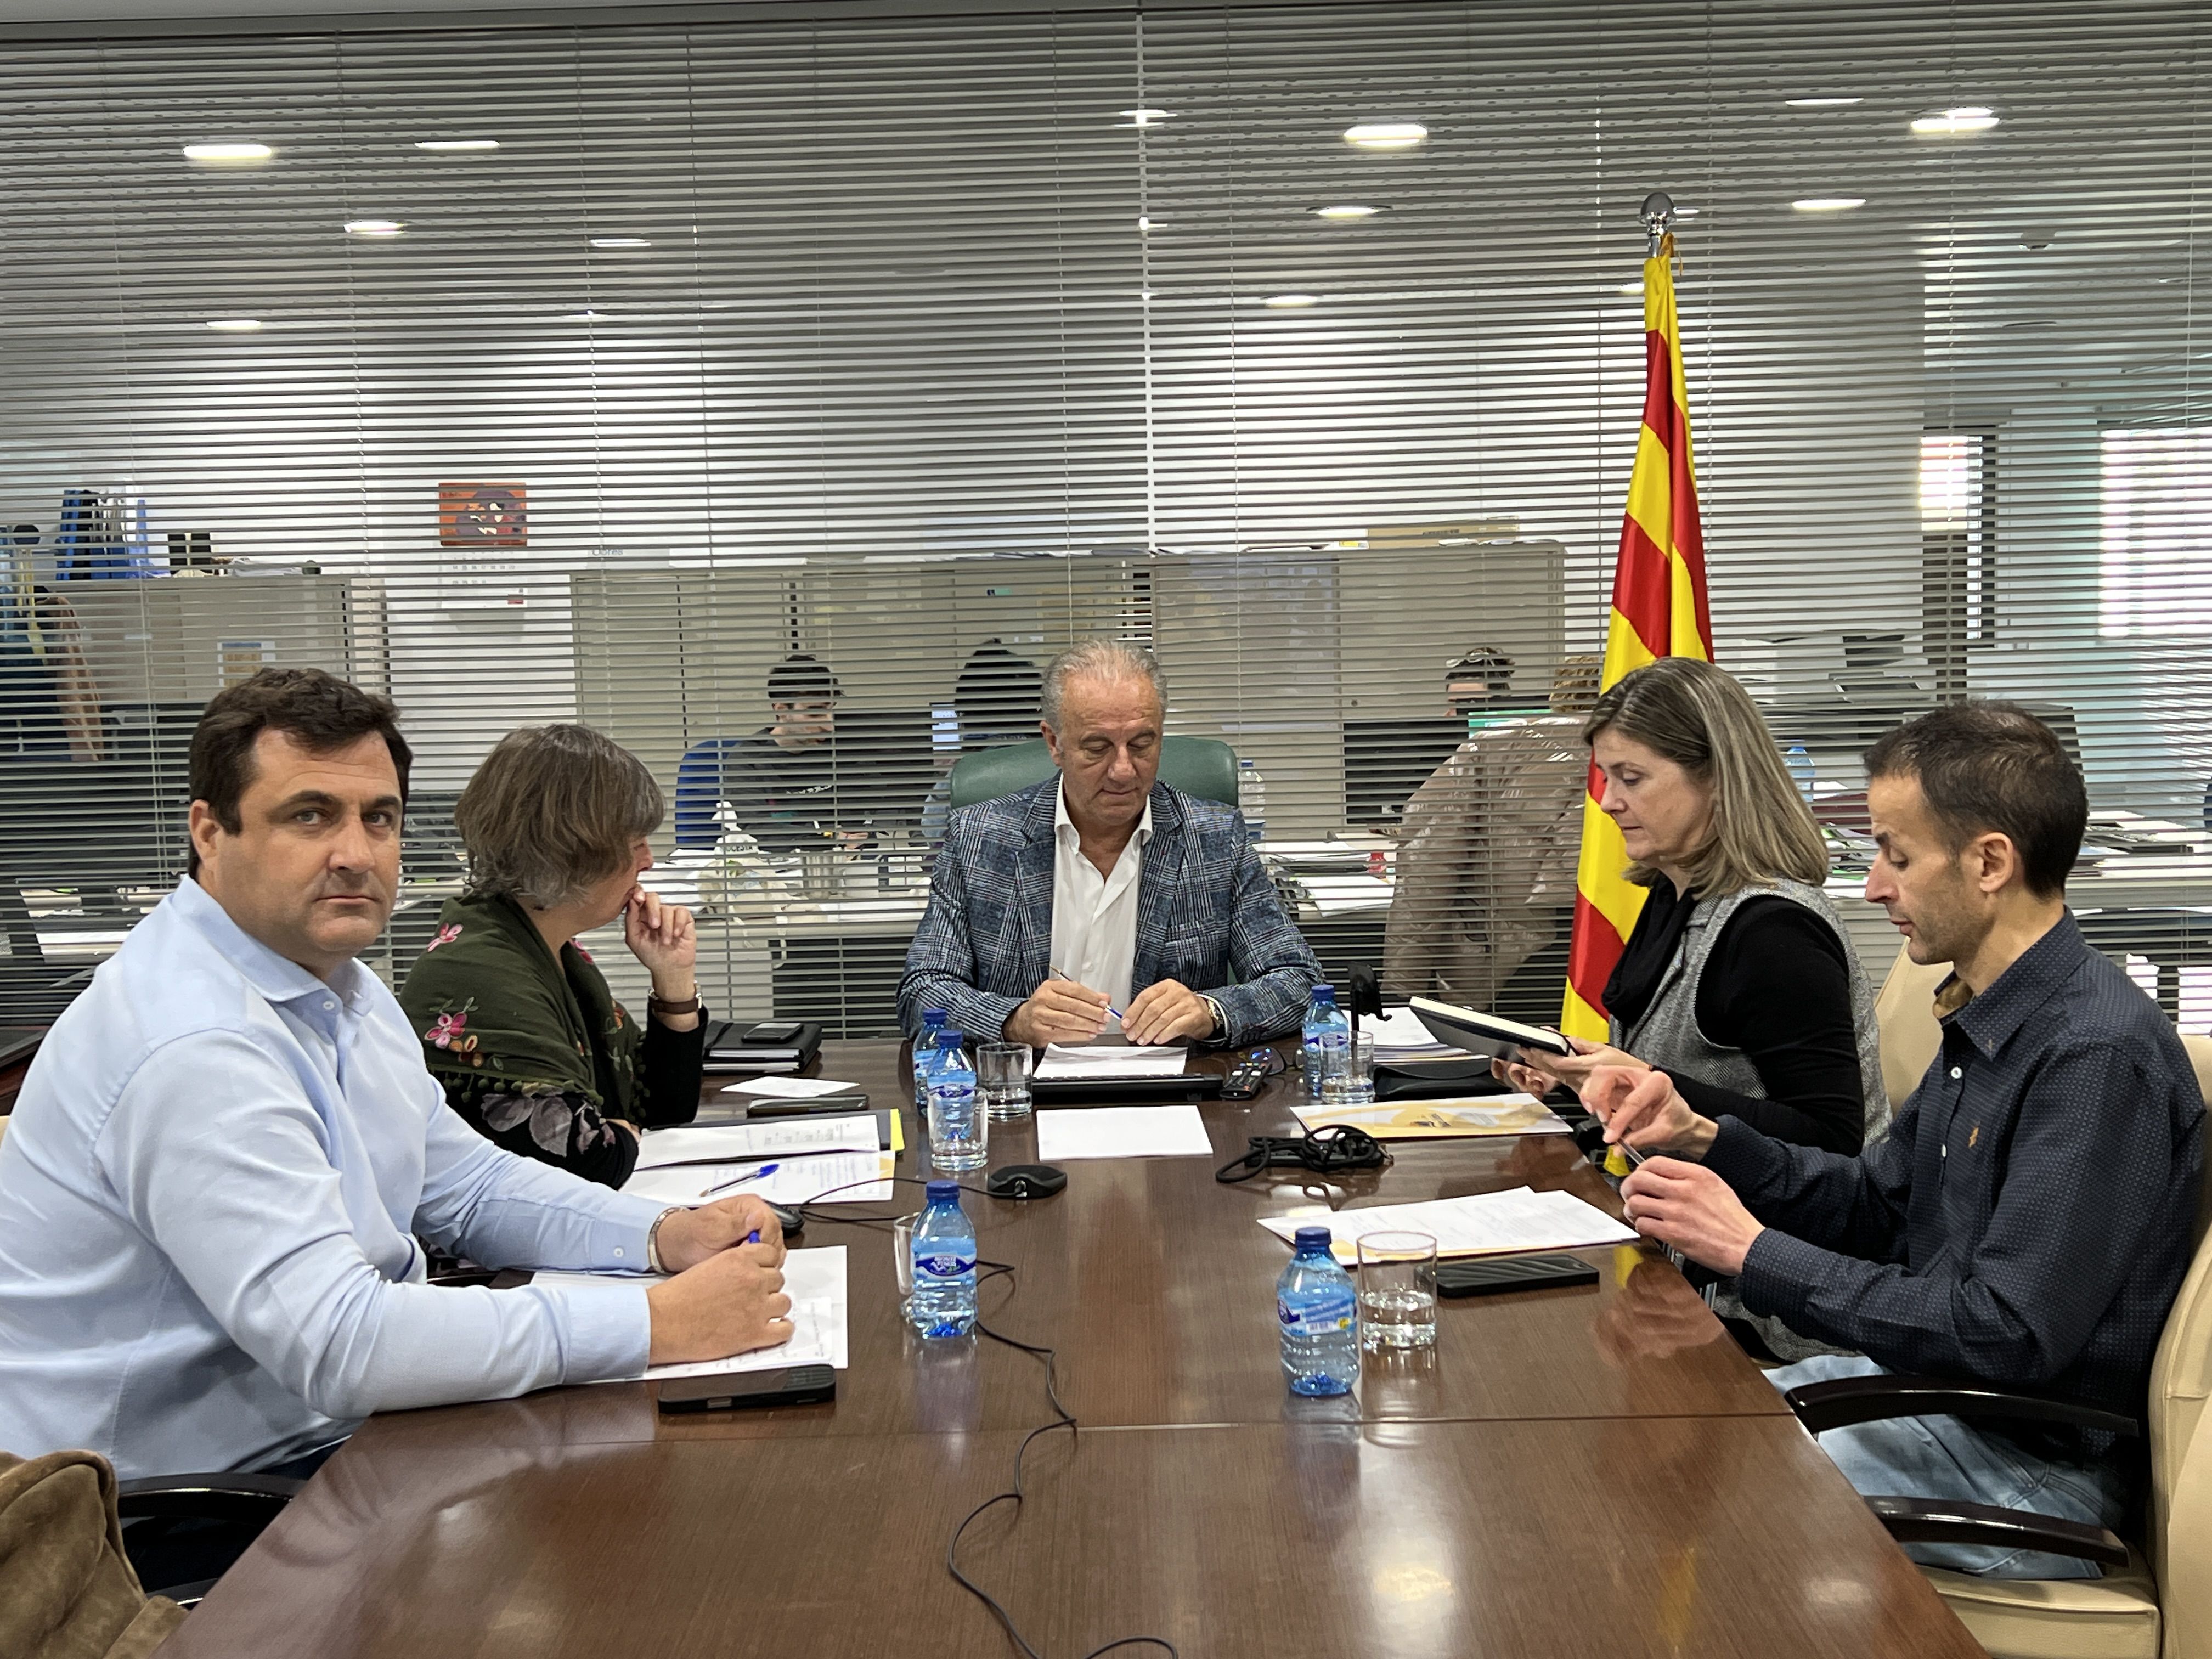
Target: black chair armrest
x,y
234,1498
1940,1521
1824,1406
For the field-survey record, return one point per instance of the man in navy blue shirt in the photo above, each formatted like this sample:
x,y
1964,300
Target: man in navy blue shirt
x,y
2028,1219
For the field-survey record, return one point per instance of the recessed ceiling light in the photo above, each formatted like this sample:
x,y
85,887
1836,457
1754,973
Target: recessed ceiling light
x,y
229,155
1969,118
1828,204
1145,118
234,324
1821,103
1349,210
456,144
1385,135
374,227
1291,302
620,242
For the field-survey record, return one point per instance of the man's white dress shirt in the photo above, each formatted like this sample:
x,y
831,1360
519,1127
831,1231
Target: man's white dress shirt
x,y
1094,917
208,1198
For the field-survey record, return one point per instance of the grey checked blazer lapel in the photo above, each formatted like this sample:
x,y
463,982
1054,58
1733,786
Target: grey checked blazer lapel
x,y
1033,878
1163,861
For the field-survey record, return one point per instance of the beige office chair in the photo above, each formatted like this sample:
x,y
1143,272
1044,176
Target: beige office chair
x,y
2158,1609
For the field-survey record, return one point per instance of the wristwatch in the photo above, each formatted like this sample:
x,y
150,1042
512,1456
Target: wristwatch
x,y
1220,1018
691,1005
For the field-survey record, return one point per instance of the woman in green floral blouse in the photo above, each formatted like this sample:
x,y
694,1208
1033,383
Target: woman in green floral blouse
x,y
517,1023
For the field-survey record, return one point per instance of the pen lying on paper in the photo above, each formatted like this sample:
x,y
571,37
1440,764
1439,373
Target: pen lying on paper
x,y
739,1181
1071,980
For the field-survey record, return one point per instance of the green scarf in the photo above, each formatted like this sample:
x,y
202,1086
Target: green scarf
x,y
497,1015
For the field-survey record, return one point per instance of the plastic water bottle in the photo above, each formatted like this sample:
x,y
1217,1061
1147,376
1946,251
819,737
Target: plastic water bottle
x,y
1326,1028
925,1056
959,1131
1801,769
943,1301
1252,800
1318,1314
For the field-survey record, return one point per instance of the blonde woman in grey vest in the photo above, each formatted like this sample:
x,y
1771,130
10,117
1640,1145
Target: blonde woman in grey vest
x,y
1738,980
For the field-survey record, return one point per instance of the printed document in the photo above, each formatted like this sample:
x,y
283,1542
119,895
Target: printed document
x,y
1439,1119
822,1178
790,1088
1122,1131
729,1143
815,1282
1083,1062
1483,1224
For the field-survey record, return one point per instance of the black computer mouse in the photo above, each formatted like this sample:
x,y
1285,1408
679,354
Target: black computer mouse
x,y
1026,1180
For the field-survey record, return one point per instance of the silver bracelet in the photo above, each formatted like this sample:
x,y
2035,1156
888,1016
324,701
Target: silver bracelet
x,y
652,1239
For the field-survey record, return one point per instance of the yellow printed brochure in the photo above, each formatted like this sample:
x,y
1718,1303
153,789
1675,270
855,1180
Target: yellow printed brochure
x,y
1439,1119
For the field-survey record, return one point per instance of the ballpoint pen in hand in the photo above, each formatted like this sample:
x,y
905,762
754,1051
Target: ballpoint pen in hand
x,y
1056,973
739,1181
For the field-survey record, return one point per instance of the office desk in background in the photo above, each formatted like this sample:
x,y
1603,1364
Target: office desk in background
x,y
1577,1470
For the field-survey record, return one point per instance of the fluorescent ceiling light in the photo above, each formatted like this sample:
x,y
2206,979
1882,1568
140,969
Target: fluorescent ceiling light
x,y
374,227
1145,118
1349,210
1385,135
456,144
1821,103
620,242
229,155
1828,204
1968,118
234,324
1291,302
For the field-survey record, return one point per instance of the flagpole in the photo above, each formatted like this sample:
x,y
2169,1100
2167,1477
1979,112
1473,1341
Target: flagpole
x,y
1657,218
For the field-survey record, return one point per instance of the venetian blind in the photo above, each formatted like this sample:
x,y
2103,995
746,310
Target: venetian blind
x,y
590,371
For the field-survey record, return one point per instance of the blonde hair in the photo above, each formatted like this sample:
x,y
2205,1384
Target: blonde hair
x,y
1699,718
553,811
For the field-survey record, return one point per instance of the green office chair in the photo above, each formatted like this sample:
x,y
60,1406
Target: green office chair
x,y
1204,767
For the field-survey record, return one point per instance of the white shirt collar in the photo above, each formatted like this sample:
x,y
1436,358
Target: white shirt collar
x,y
1063,828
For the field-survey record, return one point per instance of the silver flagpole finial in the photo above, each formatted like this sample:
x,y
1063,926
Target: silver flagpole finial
x,y
1657,217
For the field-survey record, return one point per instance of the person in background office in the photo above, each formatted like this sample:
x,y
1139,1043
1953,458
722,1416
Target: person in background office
x,y
212,1182
2027,1221
517,1023
1738,980
996,700
1480,681
1105,890
781,781
1485,861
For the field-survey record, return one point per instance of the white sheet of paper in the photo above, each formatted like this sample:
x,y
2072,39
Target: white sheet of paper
x,y
735,1142
1122,1131
815,1281
1482,1224
790,1088
799,1180
1066,1060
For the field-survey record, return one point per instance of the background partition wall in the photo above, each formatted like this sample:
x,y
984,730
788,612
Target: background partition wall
x,y
587,372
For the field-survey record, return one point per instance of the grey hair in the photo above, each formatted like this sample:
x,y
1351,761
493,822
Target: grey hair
x,y
1099,659
554,811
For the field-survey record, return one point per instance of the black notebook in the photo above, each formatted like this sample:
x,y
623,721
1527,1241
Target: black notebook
x,y
787,1045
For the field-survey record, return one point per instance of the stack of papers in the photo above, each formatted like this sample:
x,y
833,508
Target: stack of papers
x,y
1070,1062
813,1178
657,1149
1399,1034
1439,1119
1485,1223
1122,1131
789,1088
814,1281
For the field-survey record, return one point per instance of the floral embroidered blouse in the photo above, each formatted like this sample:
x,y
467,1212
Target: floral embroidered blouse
x,y
538,1055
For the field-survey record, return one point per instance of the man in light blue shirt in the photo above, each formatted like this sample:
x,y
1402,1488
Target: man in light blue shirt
x,y
213,1179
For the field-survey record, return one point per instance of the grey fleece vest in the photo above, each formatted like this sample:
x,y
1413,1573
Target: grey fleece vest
x,y
1668,1037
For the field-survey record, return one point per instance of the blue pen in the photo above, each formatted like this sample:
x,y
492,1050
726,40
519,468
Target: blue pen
x,y
1071,980
750,1175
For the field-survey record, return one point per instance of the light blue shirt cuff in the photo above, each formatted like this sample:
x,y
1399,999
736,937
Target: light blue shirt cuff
x,y
605,1326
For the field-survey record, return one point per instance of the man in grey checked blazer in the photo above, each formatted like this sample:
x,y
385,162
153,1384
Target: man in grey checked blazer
x,y
1214,956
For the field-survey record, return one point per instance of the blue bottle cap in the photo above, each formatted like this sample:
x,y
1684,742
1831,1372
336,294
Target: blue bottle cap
x,y
948,1038
948,1192
1324,994
934,1016
1309,1238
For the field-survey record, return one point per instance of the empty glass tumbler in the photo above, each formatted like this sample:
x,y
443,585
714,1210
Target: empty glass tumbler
x,y
1002,1080
1397,1291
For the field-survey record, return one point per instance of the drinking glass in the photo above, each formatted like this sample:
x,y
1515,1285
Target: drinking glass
x,y
1397,1291
1349,1079
1002,1078
903,1245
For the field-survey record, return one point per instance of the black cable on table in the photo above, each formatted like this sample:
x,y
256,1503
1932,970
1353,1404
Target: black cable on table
x,y
1062,1419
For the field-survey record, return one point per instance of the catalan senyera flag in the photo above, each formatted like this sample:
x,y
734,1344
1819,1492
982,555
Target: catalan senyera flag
x,y
1659,610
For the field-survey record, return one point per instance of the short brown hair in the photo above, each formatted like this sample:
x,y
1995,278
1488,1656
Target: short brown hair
x,y
1699,718
321,711
552,810
1993,766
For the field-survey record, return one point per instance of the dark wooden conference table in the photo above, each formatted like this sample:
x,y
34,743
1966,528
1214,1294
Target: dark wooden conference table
x,y
1575,1472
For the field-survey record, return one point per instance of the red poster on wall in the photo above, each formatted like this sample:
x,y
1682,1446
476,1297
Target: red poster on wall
x,y
483,515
